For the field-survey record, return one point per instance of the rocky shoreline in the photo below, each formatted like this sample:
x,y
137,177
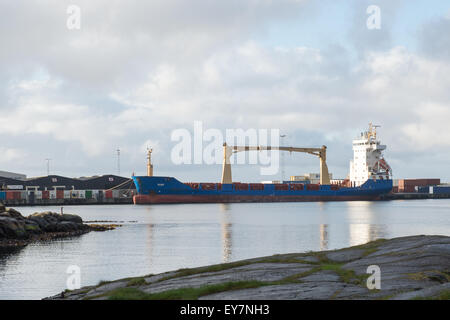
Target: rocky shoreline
x,y
415,267
16,231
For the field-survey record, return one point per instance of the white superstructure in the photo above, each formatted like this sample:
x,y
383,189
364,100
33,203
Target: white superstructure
x,y
368,161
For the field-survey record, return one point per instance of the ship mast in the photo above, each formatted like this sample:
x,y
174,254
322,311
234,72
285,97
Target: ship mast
x,y
149,162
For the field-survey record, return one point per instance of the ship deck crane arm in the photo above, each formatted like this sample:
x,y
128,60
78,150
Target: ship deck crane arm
x,y
319,152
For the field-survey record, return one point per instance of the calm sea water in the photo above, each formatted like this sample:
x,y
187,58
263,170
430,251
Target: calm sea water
x,y
160,238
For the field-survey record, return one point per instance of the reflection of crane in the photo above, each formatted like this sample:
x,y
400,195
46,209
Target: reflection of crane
x,y
319,152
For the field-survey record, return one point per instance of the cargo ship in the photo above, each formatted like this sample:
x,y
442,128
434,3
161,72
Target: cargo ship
x,y
370,177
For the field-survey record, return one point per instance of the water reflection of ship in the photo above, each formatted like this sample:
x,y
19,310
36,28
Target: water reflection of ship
x,y
226,226
323,230
149,244
363,225
367,227
323,226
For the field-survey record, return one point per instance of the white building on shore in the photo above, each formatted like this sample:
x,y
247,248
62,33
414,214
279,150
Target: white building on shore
x,y
12,175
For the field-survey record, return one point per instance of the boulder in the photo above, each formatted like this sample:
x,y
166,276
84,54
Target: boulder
x,y
13,228
71,218
50,217
43,224
66,226
32,227
14,213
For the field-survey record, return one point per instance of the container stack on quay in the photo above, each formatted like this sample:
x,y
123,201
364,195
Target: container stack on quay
x,y
441,189
420,189
412,185
53,189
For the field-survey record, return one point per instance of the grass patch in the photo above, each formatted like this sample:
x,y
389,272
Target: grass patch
x,y
140,281
127,294
225,266
296,278
369,251
428,275
344,274
182,293
443,295
103,282
213,268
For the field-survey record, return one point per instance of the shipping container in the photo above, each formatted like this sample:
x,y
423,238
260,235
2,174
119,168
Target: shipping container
x,y
2,195
208,186
38,195
10,195
115,194
23,195
74,194
45,194
314,187
256,186
52,194
297,186
441,190
88,194
67,194
282,187
13,195
81,194
408,189
423,189
406,185
59,194
108,194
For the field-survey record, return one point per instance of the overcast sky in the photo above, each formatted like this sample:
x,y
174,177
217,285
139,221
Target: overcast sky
x,y
137,70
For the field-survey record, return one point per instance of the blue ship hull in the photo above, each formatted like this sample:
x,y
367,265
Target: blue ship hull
x,y
170,190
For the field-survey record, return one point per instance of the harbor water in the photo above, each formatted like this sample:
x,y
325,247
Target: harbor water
x,y
159,238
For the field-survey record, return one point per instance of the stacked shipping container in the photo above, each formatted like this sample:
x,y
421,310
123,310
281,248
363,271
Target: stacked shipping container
x,y
64,196
409,185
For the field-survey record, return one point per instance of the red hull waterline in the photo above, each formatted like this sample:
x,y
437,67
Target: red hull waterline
x,y
161,199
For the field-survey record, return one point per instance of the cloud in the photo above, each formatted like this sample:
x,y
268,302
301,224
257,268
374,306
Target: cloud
x,y
430,129
12,155
434,40
135,72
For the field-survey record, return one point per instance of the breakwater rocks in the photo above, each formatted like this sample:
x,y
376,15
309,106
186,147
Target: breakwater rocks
x,y
17,231
416,267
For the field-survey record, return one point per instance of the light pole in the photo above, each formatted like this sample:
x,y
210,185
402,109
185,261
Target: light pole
x,y
282,157
118,161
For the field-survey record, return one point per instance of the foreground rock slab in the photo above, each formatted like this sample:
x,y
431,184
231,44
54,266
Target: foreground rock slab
x,y
415,267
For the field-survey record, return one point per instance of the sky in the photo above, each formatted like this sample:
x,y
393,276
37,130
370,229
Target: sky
x,y
136,71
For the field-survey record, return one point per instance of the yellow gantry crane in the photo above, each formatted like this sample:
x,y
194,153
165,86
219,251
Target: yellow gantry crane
x,y
318,152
